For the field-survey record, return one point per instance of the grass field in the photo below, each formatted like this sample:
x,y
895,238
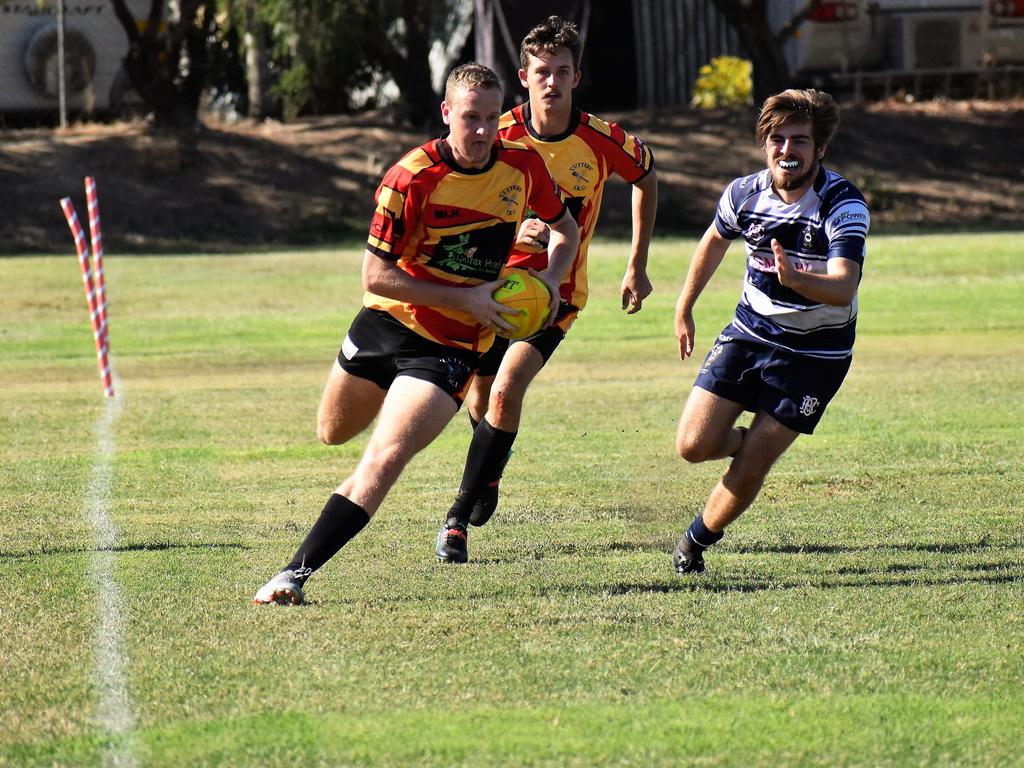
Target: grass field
x,y
869,610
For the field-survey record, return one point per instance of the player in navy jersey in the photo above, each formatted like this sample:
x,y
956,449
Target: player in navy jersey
x,y
788,348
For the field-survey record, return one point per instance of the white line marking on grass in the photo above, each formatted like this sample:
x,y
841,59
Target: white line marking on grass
x,y
115,706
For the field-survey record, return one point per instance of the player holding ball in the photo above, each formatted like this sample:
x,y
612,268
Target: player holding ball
x,y
446,216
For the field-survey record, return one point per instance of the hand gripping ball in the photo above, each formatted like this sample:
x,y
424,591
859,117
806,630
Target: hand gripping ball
x,y
527,300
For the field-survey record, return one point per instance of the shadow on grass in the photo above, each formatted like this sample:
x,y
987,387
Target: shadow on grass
x,y
147,547
721,583
553,549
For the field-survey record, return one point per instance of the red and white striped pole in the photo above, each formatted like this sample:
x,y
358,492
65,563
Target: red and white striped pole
x,y
98,332
99,278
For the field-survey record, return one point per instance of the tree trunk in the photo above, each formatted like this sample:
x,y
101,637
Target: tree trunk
x,y
750,20
256,71
153,62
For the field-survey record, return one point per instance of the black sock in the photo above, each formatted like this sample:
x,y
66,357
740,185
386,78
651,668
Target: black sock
x,y
501,468
488,452
473,422
339,521
700,536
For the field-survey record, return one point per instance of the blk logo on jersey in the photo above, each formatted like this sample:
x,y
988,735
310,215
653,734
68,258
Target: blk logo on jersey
x,y
809,405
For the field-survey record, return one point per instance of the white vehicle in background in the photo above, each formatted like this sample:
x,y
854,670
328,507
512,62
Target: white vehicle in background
x,y
1006,31
94,42
852,38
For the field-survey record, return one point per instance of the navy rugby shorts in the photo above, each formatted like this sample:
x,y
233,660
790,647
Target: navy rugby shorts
x,y
379,348
794,389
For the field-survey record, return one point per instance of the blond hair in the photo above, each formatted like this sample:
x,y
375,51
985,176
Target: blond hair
x,y
470,75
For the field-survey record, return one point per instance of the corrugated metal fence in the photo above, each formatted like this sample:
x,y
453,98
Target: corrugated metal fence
x,y
673,40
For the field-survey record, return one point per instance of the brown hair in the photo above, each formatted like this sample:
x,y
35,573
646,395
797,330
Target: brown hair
x,y
470,75
815,106
548,37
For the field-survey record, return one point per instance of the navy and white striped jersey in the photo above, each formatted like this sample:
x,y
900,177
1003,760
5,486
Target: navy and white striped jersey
x,y
830,221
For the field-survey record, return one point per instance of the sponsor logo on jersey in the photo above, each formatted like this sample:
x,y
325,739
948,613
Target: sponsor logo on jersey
x,y
848,216
450,213
478,253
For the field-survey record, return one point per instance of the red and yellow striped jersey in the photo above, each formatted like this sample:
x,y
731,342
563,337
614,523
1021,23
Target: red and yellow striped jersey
x,y
580,161
446,224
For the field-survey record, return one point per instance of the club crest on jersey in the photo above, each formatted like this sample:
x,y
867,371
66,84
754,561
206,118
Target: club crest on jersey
x,y
808,237
755,233
809,405
510,197
579,171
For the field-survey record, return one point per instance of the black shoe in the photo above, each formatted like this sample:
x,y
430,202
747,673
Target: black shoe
x,y
688,558
485,505
451,544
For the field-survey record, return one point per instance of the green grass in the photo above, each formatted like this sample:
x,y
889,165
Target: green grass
x,y
867,611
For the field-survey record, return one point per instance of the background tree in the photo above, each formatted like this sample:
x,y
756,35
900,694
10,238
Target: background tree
x,y
168,59
764,47
336,55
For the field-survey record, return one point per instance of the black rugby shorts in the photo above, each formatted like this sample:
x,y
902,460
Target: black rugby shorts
x,y
379,348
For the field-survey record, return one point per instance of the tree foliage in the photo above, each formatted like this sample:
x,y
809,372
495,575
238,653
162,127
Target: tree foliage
x,y
333,55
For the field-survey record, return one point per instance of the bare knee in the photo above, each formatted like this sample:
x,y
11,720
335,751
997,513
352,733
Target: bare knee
x,y
692,446
693,453
505,405
327,436
332,432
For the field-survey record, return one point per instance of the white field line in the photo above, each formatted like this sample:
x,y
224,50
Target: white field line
x,y
114,713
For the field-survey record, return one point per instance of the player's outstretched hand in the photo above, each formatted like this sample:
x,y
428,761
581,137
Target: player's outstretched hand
x,y
479,302
636,287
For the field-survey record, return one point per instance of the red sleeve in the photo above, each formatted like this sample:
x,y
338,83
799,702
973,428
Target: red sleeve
x,y
545,199
630,158
394,215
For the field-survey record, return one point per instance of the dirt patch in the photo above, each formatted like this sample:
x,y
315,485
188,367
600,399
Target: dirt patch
x,y
929,166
